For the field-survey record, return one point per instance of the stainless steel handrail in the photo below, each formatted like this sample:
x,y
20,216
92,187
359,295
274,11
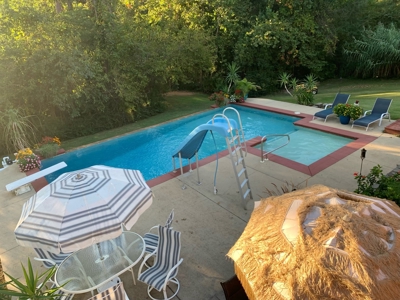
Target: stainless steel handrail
x,y
264,139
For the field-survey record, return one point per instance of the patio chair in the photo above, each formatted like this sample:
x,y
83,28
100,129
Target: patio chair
x,y
165,268
50,259
378,112
115,292
233,289
111,284
151,239
328,111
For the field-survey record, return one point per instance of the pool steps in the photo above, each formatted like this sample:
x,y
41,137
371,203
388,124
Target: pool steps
x,y
233,132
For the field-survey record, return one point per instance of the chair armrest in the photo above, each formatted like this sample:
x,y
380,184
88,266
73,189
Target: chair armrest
x,y
328,105
171,270
144,261
154,228
367,112
46,260
385,115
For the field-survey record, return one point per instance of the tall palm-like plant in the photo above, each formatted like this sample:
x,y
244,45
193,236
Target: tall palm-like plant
x,y
18,130
232,76
284,80
34,287
310,82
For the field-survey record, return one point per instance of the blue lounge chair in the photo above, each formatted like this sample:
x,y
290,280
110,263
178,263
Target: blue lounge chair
x,y
378,112
328,111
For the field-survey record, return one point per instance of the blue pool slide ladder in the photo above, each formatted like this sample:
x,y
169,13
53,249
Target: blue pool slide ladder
x,y
235,141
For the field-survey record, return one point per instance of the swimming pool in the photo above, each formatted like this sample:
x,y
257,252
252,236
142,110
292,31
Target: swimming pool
x,y
150,150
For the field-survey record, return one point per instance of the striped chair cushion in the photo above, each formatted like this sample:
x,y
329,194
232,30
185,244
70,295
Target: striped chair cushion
x,y
116,292
151,239
168,252
56,258
151,242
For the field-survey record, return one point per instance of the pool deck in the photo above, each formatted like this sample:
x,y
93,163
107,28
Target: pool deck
x,y
210,224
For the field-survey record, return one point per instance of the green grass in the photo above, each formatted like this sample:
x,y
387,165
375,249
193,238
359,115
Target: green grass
x,y
177,106
366,91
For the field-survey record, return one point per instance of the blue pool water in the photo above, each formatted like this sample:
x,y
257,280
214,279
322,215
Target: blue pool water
x,y
150,150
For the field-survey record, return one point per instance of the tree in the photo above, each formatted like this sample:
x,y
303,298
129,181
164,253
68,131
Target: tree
x,y
376,53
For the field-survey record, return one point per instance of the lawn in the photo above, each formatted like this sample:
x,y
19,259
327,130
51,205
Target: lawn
x,y
183,104
366,91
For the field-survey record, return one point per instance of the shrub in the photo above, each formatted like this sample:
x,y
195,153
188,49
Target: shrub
x,y
378,185
218,98
47,150
305,90
48,147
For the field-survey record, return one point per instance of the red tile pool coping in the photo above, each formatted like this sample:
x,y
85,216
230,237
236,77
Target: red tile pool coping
x,y
360,140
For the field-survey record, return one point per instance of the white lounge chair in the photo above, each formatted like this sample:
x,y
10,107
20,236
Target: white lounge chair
x,y
14,186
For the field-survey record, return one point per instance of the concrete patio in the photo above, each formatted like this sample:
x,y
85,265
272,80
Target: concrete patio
x,y
210,224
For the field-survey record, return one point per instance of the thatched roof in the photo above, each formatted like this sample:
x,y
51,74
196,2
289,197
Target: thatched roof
x,y
320,243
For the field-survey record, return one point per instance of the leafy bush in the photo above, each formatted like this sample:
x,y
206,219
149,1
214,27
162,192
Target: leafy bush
x,y
218,98
47,150
304,97
378,185
48,147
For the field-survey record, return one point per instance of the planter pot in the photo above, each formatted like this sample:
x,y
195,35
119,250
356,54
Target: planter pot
x,y
344,119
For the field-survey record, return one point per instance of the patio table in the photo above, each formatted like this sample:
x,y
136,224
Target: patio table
x,y
91,267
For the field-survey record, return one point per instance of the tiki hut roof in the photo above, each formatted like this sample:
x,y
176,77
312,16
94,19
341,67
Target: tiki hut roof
x,y
320,243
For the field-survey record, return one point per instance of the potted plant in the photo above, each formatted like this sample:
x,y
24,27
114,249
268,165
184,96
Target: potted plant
x,y
34,287
27,160
245,87
347,112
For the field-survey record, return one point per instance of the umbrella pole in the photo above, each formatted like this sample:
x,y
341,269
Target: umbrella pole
x,y
101,258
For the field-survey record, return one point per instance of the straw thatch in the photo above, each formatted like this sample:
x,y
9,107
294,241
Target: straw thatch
x,y
320,243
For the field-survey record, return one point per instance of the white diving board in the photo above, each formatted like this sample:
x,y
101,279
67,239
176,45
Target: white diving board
x,y
28,179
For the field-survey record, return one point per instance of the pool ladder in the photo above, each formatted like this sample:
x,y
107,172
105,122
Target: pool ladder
x,y
265,138
240,129
236,146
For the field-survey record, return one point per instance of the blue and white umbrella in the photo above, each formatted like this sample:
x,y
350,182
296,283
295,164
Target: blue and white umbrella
x,y
82,208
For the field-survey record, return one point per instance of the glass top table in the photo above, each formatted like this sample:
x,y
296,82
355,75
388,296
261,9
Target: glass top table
x,y
87,269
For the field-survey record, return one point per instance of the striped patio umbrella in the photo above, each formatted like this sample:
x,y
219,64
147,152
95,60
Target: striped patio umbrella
x,y
83,207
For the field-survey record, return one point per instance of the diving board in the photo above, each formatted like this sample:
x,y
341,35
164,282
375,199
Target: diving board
x,y
14,186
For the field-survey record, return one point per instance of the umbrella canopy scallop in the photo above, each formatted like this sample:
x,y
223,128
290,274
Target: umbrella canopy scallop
x,y
320,243
83,207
